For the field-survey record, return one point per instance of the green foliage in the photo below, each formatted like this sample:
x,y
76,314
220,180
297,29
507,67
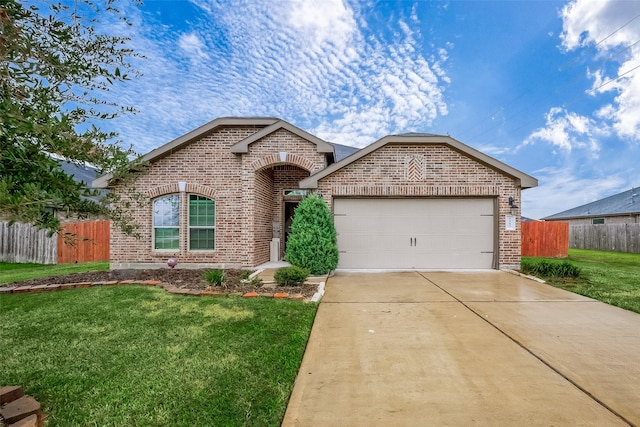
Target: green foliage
x,y
56,70
189,361
546,268
312,243
291,276
215,276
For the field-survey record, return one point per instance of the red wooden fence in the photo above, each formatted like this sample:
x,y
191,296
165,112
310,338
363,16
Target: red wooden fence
x,y
90,242
545,239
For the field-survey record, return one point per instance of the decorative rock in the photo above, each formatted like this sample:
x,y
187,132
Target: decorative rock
x,y
150,282
6,289
67,286
281,295
10,393
30,421
19,409
22,290
250,295
53,287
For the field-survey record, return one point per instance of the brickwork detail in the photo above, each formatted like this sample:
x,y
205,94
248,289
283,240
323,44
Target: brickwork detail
x,y
414,165
448,173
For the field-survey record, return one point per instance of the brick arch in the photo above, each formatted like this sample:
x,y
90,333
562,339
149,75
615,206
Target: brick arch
x,y
203,190
162,190
274,159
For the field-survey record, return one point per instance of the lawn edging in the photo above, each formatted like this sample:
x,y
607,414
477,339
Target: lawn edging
x,y
172,289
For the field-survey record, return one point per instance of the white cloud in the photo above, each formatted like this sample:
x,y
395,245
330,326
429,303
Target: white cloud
x,y
316,64
193,46
562,188
567,131
609,30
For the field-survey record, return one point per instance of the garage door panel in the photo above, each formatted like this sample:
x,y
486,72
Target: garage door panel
x,y
415,233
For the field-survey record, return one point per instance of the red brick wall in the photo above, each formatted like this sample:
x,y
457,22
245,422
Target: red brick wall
x,y
242,186
436,171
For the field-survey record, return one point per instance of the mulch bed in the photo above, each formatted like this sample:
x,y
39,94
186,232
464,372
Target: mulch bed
x,y
181,278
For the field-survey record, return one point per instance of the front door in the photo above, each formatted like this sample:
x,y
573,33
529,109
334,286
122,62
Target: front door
x,y
289,211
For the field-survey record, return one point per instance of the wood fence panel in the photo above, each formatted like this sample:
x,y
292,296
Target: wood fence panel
x,y
26,243
606,237
545,239
90,242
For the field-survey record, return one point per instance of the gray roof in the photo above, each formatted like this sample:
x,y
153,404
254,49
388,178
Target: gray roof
x,y
342,151
83,174
625,203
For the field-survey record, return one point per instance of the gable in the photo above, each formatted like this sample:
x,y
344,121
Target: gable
x,y
243,146
387,160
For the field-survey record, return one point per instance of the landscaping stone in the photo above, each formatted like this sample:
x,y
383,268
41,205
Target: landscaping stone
x,y
297,297
19,409
250,295
54,287
83,285
6,290
38,288
10,393
30,421
67,286
281,295
22,290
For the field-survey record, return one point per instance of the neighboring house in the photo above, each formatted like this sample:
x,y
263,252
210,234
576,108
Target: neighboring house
x,y
622,208
223,194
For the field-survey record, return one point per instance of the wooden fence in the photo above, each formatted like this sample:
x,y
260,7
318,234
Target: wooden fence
x,y
89,242
606,237
545,239
26,243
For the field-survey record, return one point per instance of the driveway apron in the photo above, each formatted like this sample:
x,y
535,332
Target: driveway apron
x,y
465,348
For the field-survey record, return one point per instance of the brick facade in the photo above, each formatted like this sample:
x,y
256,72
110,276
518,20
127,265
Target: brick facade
x,y
248,187
390,172
247,190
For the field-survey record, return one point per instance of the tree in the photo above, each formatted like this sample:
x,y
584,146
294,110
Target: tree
x,y
56,70
312,243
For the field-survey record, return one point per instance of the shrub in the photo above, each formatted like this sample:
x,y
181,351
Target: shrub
x,y
312,243
215,277
546,268
291,276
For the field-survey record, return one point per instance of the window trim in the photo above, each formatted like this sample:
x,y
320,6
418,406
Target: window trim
x,y
155,227
190,227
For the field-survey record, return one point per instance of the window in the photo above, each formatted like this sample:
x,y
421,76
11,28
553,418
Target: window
x,y
202,221
597,221
166,223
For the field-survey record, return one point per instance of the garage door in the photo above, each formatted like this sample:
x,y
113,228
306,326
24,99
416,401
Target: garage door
x,y
421,233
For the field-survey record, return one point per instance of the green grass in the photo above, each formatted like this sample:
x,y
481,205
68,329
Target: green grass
x,y
128,355
611,277
11,272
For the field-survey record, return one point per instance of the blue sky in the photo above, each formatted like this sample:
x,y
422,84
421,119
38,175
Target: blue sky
x,y
548,87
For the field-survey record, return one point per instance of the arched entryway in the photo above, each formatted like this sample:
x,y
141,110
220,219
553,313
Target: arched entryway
x,y
277,194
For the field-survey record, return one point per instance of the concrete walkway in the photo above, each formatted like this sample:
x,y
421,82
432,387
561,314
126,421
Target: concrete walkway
x,y
469,348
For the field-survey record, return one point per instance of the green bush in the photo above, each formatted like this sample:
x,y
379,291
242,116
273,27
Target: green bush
x,y
215,277
312,243
546,268
291,276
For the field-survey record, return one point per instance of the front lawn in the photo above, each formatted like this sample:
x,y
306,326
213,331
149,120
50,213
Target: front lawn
x,y
129,355
611,277
12,272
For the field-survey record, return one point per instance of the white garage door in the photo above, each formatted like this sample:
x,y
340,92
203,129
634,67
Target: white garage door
x,y
421,233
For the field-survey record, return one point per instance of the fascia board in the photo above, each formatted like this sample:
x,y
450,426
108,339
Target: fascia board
x,y
176,144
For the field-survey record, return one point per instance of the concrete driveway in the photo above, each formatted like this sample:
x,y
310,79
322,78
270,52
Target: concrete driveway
x,y
467,348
